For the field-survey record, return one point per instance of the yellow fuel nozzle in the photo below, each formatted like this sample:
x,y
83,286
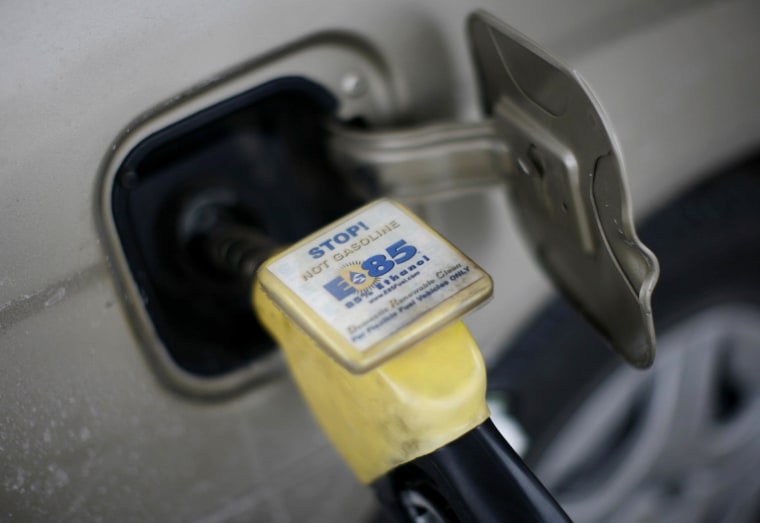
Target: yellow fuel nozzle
x,y
367,314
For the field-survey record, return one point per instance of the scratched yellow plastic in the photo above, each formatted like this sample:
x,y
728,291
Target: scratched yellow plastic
x,y
409,406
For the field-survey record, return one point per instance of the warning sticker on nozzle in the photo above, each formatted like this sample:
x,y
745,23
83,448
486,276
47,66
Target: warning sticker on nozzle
x,y
375,273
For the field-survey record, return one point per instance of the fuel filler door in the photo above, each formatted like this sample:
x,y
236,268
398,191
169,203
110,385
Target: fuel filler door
x,y
548,140
567,186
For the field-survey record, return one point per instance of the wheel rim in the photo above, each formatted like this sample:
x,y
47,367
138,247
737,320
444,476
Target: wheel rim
x,y
680,442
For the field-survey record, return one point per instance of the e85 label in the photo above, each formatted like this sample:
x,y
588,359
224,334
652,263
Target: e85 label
x,y
358,277
370,275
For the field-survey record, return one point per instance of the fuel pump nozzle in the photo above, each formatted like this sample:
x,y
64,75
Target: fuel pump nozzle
x,y
368,312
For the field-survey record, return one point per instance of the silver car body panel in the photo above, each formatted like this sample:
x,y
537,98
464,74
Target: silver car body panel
x,y
87,430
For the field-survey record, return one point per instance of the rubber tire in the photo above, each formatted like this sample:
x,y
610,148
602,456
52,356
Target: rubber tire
x,y
708,244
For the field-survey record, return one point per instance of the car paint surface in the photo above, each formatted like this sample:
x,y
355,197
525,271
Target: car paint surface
x,y
87,430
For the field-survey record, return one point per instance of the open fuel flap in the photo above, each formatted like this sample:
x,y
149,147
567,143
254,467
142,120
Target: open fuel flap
x,y
567,186
547,139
